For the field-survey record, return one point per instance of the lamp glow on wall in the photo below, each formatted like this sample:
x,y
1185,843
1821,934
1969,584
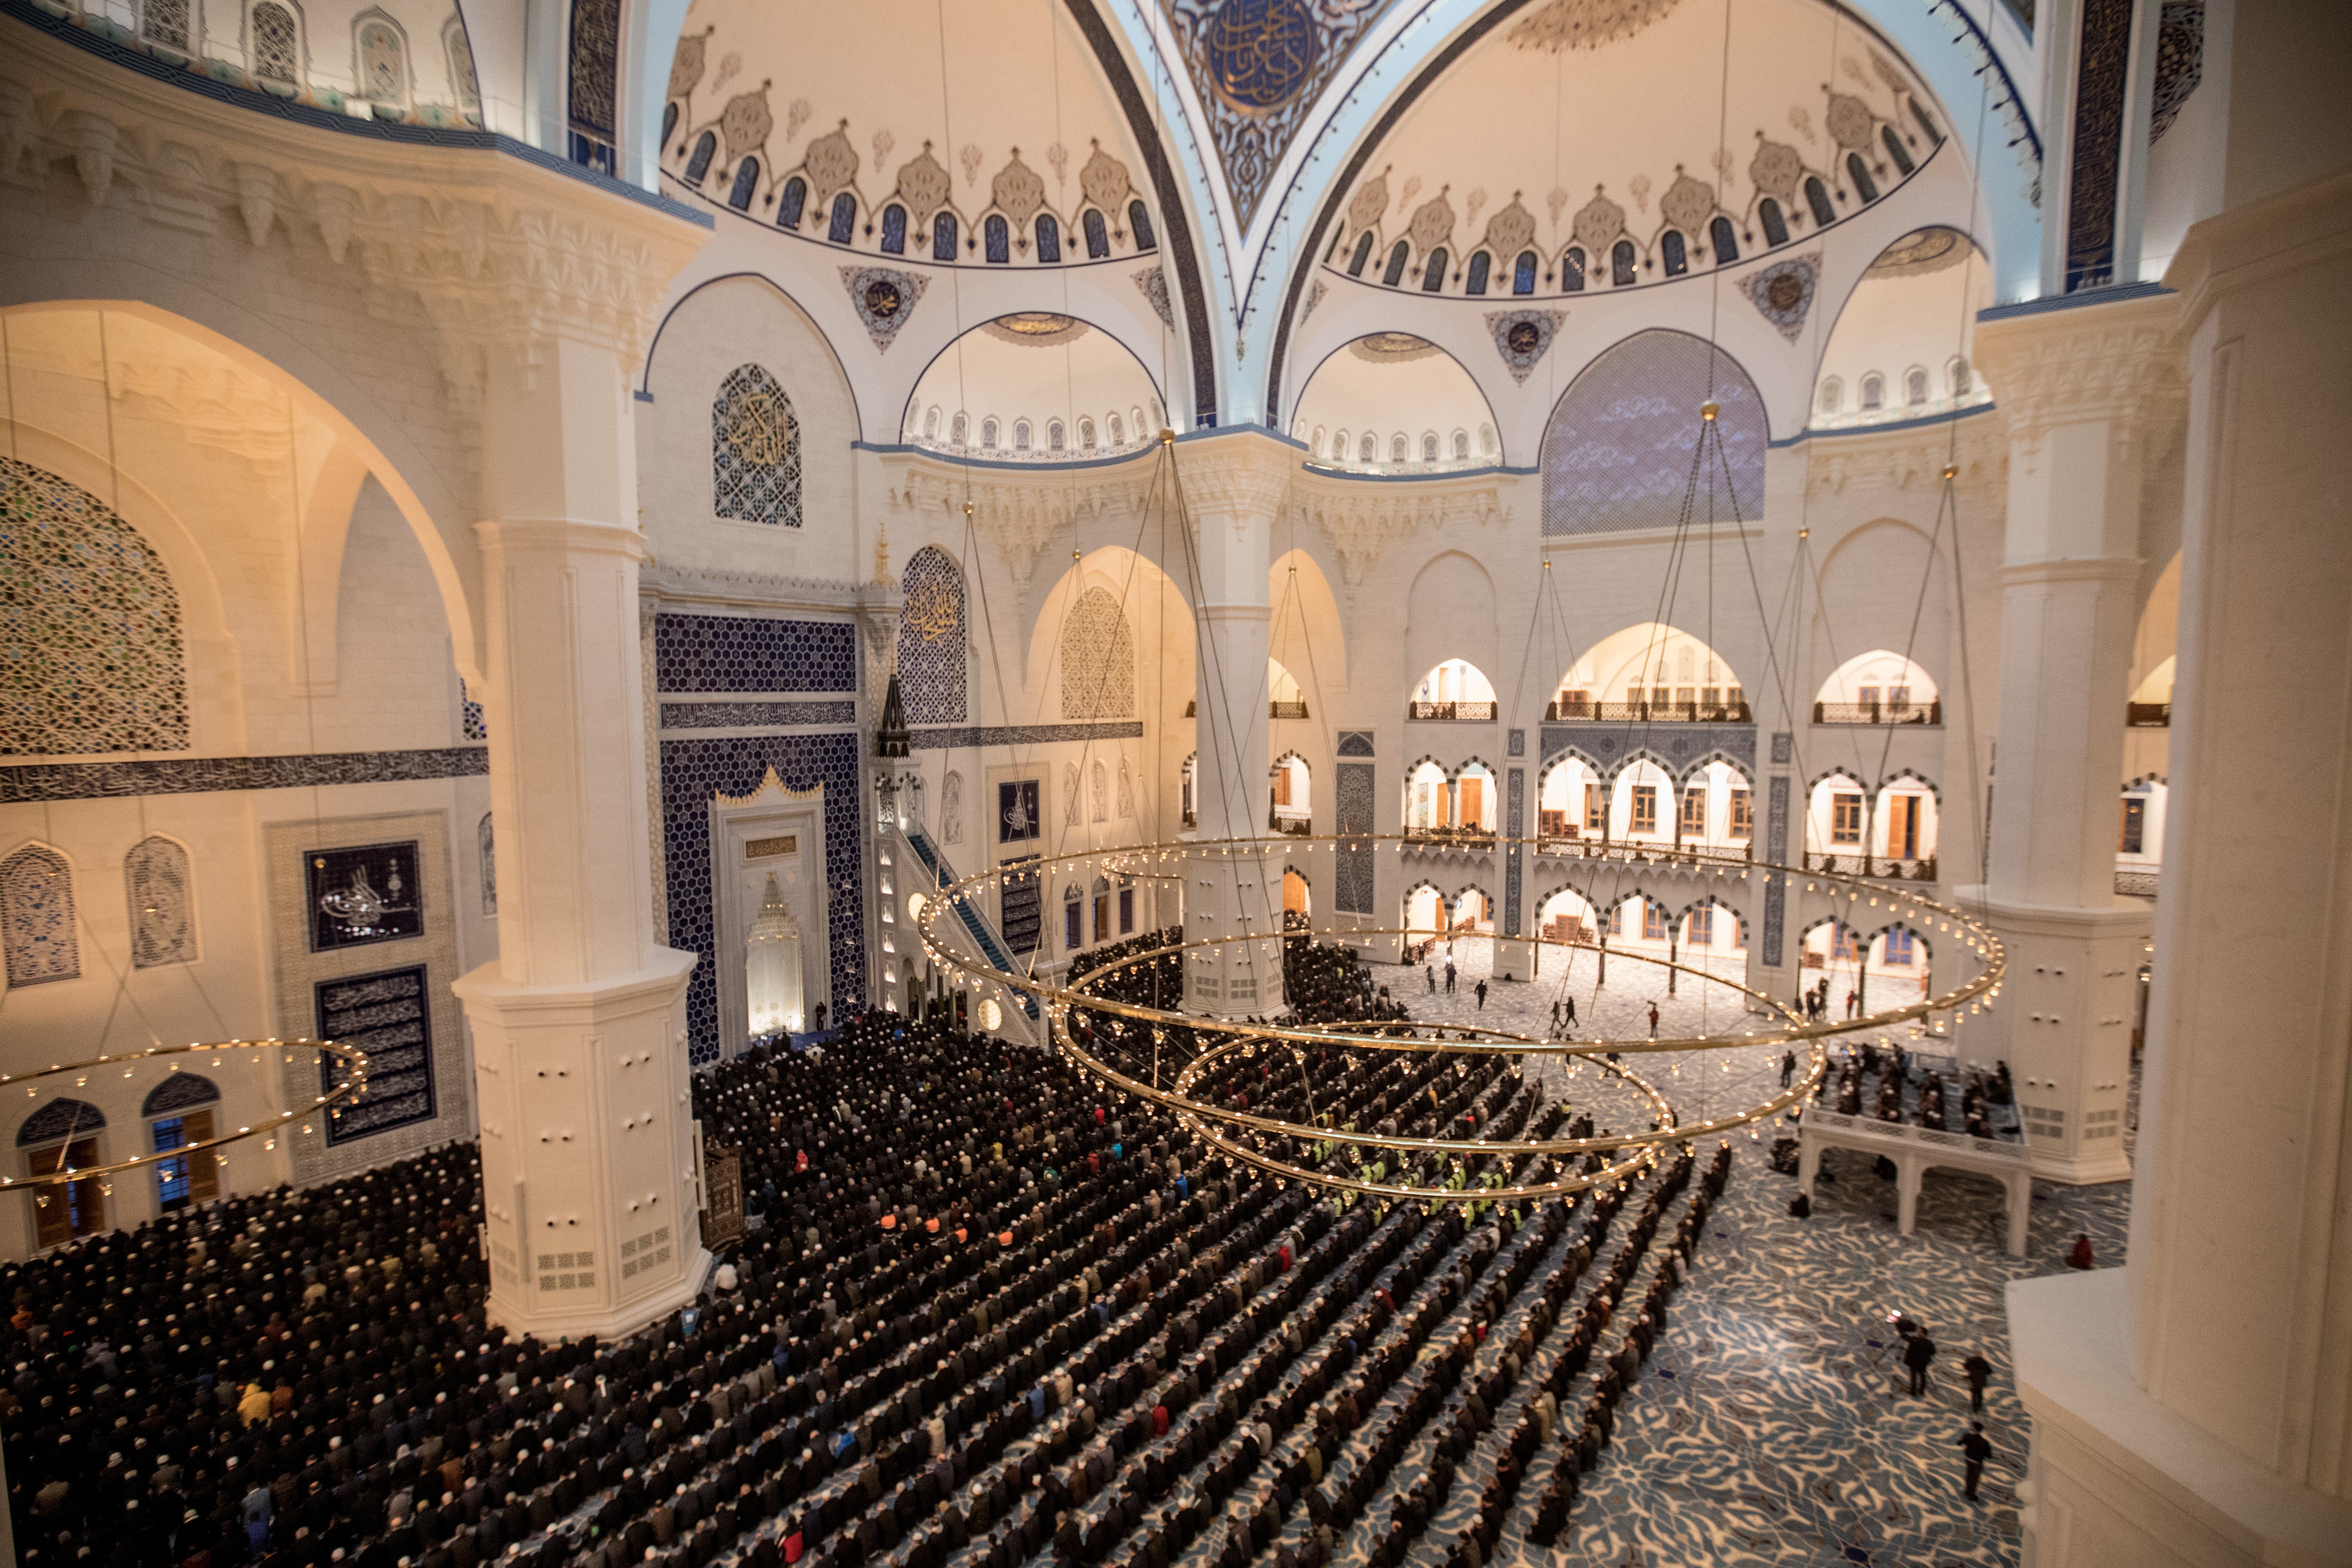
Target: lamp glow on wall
x,y
771,967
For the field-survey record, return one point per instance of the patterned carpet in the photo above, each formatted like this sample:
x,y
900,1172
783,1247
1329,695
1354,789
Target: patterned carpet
x,y
1769,1426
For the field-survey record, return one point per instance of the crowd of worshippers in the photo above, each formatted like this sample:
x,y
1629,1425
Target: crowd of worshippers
x,y
1899,1078
985,1315
1322,983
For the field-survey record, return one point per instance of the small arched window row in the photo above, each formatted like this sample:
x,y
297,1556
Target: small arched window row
x,y
1025,438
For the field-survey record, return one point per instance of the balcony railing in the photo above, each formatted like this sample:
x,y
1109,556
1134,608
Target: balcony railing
x,y
2135,882
2148,715
1878,712
1560,711
1279,709
1296,824
1892,868
1468,838
1482,712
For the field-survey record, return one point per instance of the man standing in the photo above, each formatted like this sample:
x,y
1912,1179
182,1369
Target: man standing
x,y
1482,996
1788,1068
1978,1369
1653,1020
1449,977
1433,980
1975,1449
1568,1013
1918,1350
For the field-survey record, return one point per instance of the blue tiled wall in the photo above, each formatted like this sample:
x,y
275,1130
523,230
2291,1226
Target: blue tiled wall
x,y
740,653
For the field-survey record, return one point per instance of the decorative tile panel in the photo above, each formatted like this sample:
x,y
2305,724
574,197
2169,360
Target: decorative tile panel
x,y
931,639
743,653
388,1015
1514,825
36,917
1776,886
1355,743
754,715
1097,660
200,775
162,891
1023,734
755,450
1683,746
694,769
1618,452
1351,892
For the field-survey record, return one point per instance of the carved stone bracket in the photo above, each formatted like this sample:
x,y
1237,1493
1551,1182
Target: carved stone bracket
x,y
1901,460
1362,520
1018,513
2119,361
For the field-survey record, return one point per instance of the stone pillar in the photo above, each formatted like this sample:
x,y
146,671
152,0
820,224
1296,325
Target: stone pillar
x,y
1232,485
2196,1405
590,1188
2078,385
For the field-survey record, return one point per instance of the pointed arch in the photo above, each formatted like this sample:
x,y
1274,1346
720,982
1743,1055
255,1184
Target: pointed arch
x,y
933,642
161,887
39,932
1097,660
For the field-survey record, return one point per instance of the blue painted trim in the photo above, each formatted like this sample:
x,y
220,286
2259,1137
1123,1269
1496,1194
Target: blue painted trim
x,y
1946,418
2113,296
1506,469
189,78
999,465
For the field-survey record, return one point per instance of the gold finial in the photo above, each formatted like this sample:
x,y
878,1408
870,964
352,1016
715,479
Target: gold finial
x,y
1076,556
1166,436
1951,470
1708,409
967,509
1803,531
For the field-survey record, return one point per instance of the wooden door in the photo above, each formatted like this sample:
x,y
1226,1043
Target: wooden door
x,y
1473,802
1903,827
74,1209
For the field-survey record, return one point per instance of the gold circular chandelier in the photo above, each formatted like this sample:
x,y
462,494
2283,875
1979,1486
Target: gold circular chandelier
x,y
1081,1015
319,1108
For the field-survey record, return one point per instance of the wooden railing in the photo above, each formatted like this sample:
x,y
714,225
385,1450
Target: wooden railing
x,y
1278,710
1878,712
1470,837
2148,715
1895,869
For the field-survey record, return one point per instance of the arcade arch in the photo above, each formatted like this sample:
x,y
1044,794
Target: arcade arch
x,y
1649,672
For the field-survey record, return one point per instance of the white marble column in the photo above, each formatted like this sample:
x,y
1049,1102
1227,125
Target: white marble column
x,y
2079,386
2195,1406
579,1028
1232,487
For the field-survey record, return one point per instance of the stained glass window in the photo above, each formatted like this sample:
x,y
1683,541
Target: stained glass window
x,y
1097,235
845,219
894,229
1097,661
1138,222
384,64
165,22
162,903
1776,226
277,48
788,213
943,238
1049,238
1433,276
1678,254
468,86
36,917
1859,173
1480,265
1725,240
1571,271
1363,253
747,180
90,654
999,238
755,450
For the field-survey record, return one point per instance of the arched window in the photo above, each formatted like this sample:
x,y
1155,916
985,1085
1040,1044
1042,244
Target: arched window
x,y
669,122
943,237
164,22
1895,149
1480,265
1429,446
1957,373
1462,446
276,44
931,422
1087,435
996,238
1370,449
1874,393
1859,173
179,1111
1020,434
468,86
1678,253
1817,199
1099,810
1486,440
1620,263
931,639
1340,447
1118,431
1363,253
383,63
37,928
705,147
1832,396
1925,123
63,1135
1776,226
988,429
1139,224
894,229
1053,440
1097,234
1523,273
1433,276
1719,235
1097,661
1399,254
1571,271
755,450
795,197
103,651
162,903
1049,238
1399,451
1072,903
747,180
1915,386
844,226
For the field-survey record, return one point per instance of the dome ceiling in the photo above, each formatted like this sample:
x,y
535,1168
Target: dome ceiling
x,y
1592,121
1033,388
887,128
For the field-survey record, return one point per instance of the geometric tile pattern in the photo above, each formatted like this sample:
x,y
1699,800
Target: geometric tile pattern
x,y
90,654
36,917
755,450
1352,887
1682,747
931,639
1516,793
162,903
745,715
953,736
1097,660
1776,850
743,653
694,770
